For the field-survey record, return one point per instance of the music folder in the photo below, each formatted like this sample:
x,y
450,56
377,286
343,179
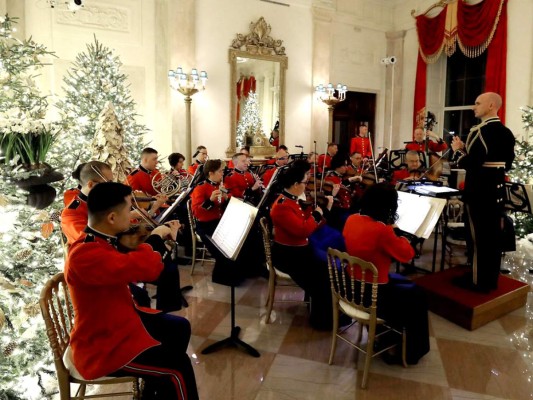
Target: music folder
x,y
233,228
418,214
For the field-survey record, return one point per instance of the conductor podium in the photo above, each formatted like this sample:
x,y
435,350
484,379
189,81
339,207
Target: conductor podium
x,y
229,236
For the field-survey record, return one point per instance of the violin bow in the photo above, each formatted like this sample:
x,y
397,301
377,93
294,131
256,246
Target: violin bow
x,y
373,158
314,170
323,167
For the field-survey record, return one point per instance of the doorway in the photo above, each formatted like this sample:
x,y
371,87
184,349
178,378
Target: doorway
x,y
358,108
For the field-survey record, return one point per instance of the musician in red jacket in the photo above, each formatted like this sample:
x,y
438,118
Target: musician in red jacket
x,y
419,142
413,170
200,157
240,182
75,215
324,160
110,335
291,253
141,177
370,235
282,159
360,143
70,194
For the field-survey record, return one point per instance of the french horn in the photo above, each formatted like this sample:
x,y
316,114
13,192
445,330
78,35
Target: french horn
x,y
169,184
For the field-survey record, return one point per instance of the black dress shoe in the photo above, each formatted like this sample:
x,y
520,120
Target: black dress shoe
x,y
465,282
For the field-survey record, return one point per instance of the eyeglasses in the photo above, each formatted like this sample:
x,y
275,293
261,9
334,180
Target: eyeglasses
x,y
282,158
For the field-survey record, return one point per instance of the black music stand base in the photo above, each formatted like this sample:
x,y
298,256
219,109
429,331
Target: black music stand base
x,y
233,340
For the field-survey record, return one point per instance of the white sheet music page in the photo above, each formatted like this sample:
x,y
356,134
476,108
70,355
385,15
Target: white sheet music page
x,y
418,215
412,211
233,227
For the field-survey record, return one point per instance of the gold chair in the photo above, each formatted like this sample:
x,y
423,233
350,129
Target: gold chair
x,y
275,276
348,294
196,239
58,315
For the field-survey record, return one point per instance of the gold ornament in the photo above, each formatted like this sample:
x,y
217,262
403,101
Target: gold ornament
x,y
32,310
47,229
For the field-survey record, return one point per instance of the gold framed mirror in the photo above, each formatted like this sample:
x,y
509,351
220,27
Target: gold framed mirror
x,y
257,90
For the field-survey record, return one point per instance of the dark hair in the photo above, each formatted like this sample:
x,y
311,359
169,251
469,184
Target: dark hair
x,y
92,171
294,174
247,148
105,198
198,150
380,202
76,173
337,161
283,147
354,153
175,158
211,166
148,150
331,144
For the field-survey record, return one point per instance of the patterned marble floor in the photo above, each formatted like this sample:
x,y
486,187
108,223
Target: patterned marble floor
x,y
484,364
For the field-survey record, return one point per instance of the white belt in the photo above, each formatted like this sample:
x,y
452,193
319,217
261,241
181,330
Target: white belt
x,y
494,164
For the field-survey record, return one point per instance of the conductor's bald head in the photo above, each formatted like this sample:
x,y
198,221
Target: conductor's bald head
x,y
487,105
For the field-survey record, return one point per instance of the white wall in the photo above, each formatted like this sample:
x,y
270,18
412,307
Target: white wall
x,y
216,27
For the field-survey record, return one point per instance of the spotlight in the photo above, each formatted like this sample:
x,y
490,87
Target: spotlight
x,y
389,60
74,5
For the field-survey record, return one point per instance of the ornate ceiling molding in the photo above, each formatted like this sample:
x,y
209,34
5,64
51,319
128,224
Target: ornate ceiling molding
x,y
108,18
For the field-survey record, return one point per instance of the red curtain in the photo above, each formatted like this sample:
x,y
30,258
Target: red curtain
x,y
480,27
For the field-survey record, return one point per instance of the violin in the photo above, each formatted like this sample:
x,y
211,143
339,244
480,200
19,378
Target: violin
x,y
321,200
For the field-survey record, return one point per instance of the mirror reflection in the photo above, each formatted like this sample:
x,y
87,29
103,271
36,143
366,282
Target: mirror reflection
x,y
257,100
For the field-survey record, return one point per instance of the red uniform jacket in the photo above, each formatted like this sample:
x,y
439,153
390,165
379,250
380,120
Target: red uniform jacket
x,y
108,332
70,194
399,175
320,162
421,146
141,179
375,242
267,176
238,182
193,167
203,208
74,218
361,145
292,225
344,195
274,142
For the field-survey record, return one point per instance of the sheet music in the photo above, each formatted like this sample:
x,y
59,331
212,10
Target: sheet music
x,y
233,228
432,189
418,215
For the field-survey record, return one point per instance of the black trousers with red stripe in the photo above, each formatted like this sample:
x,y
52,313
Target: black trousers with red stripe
x,y
166,369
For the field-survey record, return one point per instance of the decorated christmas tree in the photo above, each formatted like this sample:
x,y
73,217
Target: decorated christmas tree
x,y
522,171
30,248
29,252
108,146
95,79
250,122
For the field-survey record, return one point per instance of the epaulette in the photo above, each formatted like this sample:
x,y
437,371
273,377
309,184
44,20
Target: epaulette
x,y
134,172
89,239
281,200
74,204
269,166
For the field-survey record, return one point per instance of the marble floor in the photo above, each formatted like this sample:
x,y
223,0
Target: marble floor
x,y
491,363
484,364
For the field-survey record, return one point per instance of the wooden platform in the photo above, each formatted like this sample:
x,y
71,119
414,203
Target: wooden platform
x,y
470,309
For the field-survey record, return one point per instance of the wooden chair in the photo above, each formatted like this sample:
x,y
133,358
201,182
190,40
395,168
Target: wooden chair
x,y
58,315
275,276
196,240
349,298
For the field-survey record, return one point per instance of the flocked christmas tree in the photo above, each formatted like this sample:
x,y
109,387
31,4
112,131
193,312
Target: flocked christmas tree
x,y
29,253
250,122
30,249
522,171
108,143
95,79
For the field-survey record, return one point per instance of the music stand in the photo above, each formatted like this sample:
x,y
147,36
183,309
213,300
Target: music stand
x,y
228,238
